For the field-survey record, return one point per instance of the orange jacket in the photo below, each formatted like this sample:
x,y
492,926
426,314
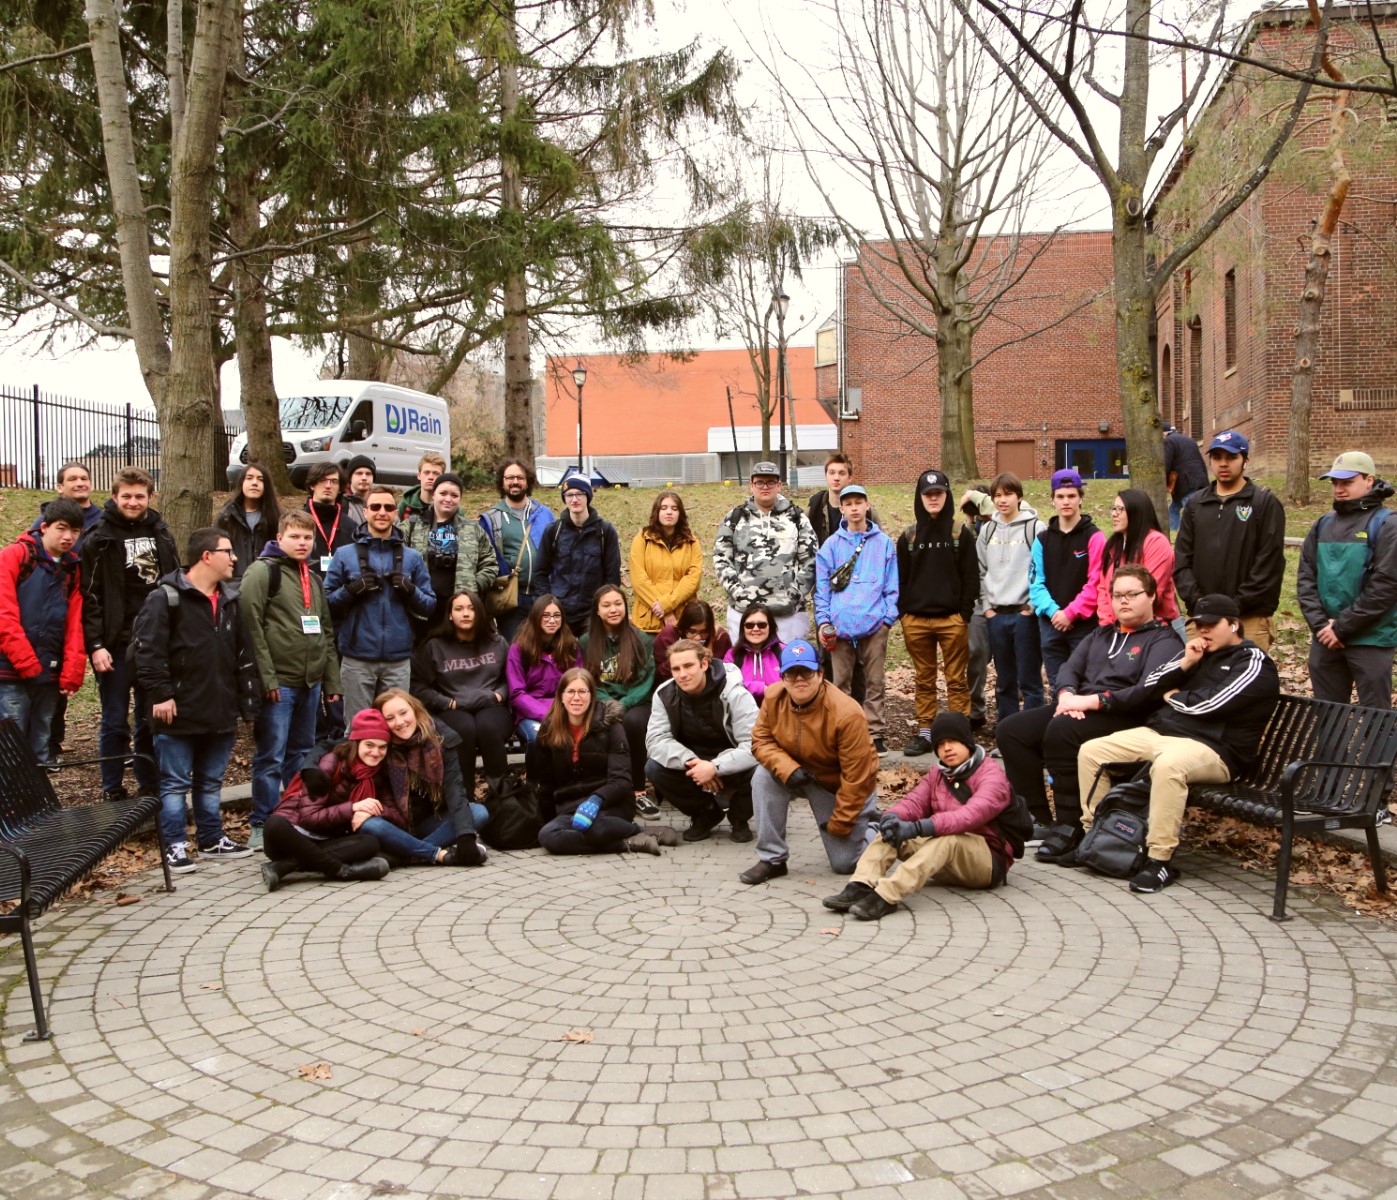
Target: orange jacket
x,y
659,573
828,737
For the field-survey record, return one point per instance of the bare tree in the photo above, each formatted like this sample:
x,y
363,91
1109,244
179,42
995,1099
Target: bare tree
x,y
1057,54
949,155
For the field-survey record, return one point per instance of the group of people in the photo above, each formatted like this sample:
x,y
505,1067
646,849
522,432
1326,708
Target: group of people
x,y
385,646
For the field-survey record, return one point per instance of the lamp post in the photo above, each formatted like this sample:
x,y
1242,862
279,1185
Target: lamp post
x,y
579,377
781,303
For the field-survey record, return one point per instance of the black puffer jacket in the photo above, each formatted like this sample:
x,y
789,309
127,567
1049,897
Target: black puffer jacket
x,y
603,768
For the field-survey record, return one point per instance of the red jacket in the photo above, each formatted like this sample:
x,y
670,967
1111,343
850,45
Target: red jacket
x,y
990,795
40,614
332,815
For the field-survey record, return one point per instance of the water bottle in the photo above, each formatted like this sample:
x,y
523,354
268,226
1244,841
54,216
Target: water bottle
x,y
586,813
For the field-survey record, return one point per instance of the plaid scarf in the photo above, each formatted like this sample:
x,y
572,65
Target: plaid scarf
x,y
415,765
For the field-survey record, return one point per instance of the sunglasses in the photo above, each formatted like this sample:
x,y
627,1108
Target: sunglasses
x,y
379,507
755,625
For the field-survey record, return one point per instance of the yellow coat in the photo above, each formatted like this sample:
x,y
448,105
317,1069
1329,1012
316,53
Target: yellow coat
x,y
659,573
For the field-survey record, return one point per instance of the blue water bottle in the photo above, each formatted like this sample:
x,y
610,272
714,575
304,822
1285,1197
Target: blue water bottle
x,y
586,813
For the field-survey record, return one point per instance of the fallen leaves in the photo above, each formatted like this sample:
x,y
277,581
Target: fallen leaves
x,y
318,1070
578,1035
125,899
833,931
210,987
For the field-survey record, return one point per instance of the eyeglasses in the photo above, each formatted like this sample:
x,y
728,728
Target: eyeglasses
x,y
574,496
1117,508
798,675
228,550
379,507
1127,595
516,479
766,483
755,625
551,617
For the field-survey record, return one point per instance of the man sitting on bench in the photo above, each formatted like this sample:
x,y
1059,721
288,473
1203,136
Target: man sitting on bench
x,y
1218,695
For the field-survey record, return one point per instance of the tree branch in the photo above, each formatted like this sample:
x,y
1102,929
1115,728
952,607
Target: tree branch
x,y
49,57
63,306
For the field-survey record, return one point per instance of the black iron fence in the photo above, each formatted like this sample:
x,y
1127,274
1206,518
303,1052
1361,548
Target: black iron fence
x,y
40,432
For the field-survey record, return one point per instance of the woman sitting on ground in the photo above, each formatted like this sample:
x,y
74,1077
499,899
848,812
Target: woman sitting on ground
x,y
459,675
582,770
425,815
617,655
251,517
543,649
696,623
1137,538
666,565
758,655
314,827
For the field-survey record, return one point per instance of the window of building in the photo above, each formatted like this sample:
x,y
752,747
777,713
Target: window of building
x,y
1229,318
826,347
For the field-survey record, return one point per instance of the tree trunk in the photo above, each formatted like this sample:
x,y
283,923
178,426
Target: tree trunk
x,y
128,202
955,385
518,367
174,65
1144,438
187,414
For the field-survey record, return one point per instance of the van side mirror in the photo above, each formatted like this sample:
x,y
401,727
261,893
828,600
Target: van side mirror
x,y
358,431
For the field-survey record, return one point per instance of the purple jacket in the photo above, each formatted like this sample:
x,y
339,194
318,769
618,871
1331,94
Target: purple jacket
x,y
531,692
990,795
760,669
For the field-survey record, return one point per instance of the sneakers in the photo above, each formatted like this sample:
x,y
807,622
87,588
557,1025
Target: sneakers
x,y
666,835
224,849
641,843
880,745
703,824
762,872
178,860
741,831
116,793
1153,877
870,907
1040,832
845,900
1059,852
274,874
646,808
917,747
463,852
254,840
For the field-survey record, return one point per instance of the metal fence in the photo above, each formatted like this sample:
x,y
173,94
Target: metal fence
x,y
40,432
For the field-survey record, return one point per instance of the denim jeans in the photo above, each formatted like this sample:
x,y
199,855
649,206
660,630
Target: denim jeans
x,y
30,705
194,763
1018,662
401,844
528,731
117,690
283,734
1056,646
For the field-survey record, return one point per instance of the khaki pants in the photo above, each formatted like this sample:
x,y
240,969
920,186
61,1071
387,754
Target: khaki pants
x,y
872,654
1256,629
962,859
1177,762
924,636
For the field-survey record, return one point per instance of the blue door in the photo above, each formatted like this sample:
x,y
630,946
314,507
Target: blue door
x,y
1093,458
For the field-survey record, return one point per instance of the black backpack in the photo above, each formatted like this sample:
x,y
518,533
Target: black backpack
x,y
515,818
1015,825
1115,843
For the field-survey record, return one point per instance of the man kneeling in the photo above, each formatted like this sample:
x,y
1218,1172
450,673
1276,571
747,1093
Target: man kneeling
x,y
943,829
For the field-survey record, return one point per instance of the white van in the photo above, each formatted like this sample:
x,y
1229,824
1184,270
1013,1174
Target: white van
x,y
336,419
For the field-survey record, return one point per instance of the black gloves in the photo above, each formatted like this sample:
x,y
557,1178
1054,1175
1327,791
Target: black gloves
x,y
316,781
894,830
402,583
363,584
798,780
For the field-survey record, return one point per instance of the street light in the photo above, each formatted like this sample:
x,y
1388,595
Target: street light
x,y
781,303
579,377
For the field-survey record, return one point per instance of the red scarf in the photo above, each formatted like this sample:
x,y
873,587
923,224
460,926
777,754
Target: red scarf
x,y
365,780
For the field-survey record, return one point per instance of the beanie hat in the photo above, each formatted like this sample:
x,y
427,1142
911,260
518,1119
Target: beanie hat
x,y
450,477
952,727
369,723
577,482
361,460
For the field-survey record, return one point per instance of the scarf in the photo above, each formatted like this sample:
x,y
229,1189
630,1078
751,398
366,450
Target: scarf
x,y
364,785
415,766
957,777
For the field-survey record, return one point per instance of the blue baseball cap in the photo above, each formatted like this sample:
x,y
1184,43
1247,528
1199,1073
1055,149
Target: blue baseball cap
x,y
853,489
799,655
1067,477
1230,441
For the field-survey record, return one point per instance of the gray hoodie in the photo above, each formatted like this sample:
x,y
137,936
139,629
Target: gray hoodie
x,y
1005,550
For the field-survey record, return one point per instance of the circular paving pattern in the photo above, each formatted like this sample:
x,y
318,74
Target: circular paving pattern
x,y
638,1027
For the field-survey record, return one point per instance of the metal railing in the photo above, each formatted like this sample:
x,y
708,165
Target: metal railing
x,y
39,432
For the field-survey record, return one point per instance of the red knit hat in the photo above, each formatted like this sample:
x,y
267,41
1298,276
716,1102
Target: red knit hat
x,y
369,723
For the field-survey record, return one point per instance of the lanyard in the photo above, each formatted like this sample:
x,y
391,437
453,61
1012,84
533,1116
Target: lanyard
x,y
305,585
329,541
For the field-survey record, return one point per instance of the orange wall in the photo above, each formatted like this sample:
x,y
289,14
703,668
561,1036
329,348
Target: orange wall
x,y
659,406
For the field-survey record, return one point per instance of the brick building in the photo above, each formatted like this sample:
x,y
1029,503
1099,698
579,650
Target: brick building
x,y
1226,326
1045,396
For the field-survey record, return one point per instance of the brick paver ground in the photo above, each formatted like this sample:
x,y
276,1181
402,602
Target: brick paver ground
x,y
1057,1037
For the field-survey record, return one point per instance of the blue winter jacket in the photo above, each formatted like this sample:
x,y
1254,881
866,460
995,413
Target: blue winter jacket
x,y
870,600
376,626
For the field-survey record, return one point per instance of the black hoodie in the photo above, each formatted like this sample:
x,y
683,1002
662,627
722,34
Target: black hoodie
x,y
122,560
938,574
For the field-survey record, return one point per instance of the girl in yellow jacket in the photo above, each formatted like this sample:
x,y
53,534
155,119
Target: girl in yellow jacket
x,y
666,565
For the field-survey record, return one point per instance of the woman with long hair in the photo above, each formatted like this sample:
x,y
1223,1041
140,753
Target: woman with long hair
x,y
426,816
251,516
666,565
582,769
459,675
1136,537
618,657
317,826
697,624
543,649
758,654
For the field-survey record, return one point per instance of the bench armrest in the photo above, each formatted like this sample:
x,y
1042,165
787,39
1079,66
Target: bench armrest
x,y
1293,770
101,758
22,859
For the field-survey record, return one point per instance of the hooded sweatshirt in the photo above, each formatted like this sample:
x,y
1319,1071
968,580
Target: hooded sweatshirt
x,y
1005,550
869,602
1345,578
122,560
40,615
1065,575
938,573
289,649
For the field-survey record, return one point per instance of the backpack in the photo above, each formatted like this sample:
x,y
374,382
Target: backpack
x,y
515,818
1115,843
171,602
363,552
1015,825
67,570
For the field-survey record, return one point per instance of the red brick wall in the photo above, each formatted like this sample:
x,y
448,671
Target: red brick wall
x,y
1040,387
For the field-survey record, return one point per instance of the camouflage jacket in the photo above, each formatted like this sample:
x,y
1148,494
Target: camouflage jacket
x,y
766,558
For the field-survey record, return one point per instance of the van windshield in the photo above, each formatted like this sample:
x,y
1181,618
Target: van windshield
x,y
299,413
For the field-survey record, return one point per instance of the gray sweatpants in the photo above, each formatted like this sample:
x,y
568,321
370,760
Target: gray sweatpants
x,y
771,802
362,679
1336,674
979,664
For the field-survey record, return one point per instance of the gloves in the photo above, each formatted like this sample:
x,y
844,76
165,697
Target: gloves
x,y
797,781
402,583
316,781
894,830
362,585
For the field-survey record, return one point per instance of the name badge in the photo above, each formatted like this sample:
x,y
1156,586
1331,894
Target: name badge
x,y
325,563
310,624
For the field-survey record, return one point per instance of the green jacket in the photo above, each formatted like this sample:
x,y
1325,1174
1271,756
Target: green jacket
x,y
476,566
639,689
1331,581
286,655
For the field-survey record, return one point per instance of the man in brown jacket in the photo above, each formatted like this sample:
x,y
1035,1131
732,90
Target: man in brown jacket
x,y
811,741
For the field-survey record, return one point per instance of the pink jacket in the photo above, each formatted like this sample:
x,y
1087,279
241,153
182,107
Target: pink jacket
x,y
990,795
1157,557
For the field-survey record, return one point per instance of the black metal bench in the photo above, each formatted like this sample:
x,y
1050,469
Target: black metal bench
x,y
45,848
1321,766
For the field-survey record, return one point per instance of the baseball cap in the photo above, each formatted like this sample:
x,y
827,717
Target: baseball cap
x,y
764,468
1067,477
1231,441
1168,428
932,481
1349,464
1214,608
799,655
853,489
